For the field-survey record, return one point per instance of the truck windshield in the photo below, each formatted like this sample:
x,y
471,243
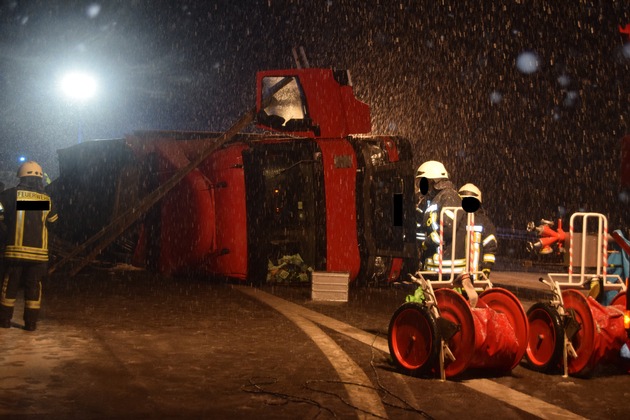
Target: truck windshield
x,y
287,108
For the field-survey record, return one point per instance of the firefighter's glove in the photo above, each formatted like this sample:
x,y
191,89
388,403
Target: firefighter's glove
x,y
457,283
465,281
486,272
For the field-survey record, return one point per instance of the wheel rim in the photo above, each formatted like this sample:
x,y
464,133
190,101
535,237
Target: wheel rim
x,y
584,340
455,308
411,338
506,303
542,340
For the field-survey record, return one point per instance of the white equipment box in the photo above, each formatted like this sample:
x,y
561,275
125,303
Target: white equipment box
x,y
330,286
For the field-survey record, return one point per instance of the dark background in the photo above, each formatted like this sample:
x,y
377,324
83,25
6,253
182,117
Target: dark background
x,y
442,73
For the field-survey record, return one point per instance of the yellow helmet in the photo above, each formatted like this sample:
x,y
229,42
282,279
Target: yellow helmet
x,y
30,168
432,169
470,190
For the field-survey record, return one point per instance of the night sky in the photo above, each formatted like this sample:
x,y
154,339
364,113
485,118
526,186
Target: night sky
x,y
526,99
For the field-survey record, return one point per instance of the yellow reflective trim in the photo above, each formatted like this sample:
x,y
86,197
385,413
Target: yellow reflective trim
x,y
53,218
488,239
27,250
24,253
489,258
436,259
450,214
445,269
35,304
7,302
44,230
3,297
19,227
23,195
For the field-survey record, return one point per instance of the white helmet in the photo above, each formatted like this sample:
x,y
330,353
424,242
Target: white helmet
x,y
470,190
30,168
431,169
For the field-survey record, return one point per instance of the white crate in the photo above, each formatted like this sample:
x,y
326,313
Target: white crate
x,y
330,286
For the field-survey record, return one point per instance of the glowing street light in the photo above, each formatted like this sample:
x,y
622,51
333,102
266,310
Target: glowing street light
x,y
78,87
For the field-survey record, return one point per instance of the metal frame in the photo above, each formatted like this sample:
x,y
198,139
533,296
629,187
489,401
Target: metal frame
x,y
568,280
428,285
556,284
482,281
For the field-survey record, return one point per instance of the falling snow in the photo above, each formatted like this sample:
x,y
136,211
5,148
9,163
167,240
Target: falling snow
x,y
527,62
528,100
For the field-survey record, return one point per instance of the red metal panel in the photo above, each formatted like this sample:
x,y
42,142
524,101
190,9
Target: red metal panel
x,y
203,219
357,113
394,272
187,229
225,169
340,166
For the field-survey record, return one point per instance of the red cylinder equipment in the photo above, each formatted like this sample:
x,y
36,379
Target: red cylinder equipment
x,y
491,336
598,339
602,334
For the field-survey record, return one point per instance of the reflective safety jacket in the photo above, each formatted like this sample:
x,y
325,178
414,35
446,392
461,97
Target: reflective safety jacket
x,y
484,243
25,213
482,250
428,216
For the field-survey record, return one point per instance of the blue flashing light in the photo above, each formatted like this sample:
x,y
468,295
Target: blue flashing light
x,y
22,158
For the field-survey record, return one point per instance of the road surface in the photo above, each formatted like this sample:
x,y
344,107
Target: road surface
x,y
132,344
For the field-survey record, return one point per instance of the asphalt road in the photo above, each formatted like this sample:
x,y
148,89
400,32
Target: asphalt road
x,y
130,344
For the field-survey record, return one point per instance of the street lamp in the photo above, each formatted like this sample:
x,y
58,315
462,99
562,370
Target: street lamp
x,y
78,87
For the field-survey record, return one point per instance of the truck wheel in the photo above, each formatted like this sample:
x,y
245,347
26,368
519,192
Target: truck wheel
x,y
413,339
546,338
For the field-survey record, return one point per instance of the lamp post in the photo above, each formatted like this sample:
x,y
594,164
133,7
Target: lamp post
x,y
78,87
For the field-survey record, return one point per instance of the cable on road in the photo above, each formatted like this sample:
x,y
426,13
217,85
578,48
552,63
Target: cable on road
x,y
254,387
334,394
407,405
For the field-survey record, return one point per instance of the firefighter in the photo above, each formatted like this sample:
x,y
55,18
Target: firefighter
x,y
435,191
484,240
26,209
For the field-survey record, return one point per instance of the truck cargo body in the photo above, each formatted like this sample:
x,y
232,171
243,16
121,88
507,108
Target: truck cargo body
x,y
342,204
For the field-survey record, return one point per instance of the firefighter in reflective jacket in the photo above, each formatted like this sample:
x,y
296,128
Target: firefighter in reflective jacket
x,y
435,192
25,211
484,242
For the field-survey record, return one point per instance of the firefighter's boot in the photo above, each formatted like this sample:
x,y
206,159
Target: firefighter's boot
x,y
30,319
6,313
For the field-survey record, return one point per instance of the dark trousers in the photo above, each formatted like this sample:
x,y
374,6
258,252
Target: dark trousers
x,y
26,273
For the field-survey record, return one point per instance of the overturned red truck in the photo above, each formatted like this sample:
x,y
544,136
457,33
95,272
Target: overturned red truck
x,y
308,182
